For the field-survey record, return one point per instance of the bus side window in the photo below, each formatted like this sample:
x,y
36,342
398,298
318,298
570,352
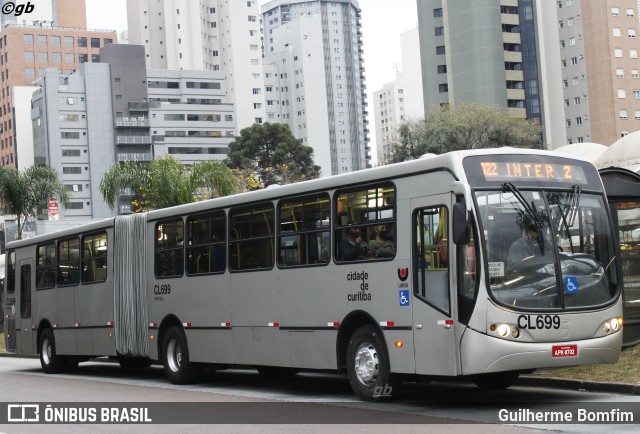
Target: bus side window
x,y
94,258
169,248
207,241
45,265
251,243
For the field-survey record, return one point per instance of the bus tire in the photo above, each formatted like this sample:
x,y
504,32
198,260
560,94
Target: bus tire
x,y
368,367
496,381
177,367
51,362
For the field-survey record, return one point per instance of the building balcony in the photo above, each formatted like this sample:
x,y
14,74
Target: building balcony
x,y
133,140
512,56
511,38
132,122
512,75
518,113
134,157
510,19
142,106
515,94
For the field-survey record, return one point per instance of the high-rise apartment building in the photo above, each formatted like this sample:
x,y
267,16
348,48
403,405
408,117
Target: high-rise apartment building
x,y
600,69
498,53
27,49
388,108
218,35
314,77
73,133
399,101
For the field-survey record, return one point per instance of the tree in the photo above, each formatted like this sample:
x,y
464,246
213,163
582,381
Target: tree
x,y
166,182
273,154
24,193
467,126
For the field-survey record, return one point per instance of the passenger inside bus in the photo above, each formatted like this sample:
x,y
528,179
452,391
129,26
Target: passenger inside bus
x,y
352,247
379,245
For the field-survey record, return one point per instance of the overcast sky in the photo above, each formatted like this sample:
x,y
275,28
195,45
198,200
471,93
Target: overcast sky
x,y
382,24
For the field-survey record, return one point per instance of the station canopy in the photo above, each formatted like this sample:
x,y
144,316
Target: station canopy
x,y
625,152
587,151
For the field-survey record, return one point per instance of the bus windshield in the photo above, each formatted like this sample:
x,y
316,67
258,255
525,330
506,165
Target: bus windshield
x,y
548,249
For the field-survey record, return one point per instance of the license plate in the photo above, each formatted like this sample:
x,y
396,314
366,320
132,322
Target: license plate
x,y
564,350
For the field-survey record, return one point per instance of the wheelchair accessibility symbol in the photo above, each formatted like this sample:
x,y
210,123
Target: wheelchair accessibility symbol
x,y
570,285
404,297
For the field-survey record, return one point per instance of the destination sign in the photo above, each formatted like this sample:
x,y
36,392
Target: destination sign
x,y
532,171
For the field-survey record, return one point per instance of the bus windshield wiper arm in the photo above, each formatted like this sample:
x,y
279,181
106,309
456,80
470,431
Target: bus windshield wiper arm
x,y
509,187
575,203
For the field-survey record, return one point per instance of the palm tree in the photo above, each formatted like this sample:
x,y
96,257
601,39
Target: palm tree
x,y
23,193
167,182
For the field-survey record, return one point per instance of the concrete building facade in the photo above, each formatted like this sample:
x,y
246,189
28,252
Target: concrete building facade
x,y
496,53
117,111
216,35
314,78
388,108
25,52
73,133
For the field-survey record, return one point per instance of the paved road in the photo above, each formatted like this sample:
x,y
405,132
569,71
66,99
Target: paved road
x,y
245,402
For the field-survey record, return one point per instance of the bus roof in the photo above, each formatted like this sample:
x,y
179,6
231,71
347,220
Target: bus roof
x,y
451,161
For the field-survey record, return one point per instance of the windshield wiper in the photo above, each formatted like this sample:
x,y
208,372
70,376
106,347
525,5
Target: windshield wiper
x,y
531,212
575,203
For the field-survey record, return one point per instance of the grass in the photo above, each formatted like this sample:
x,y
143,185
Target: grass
x,y
2,347
627,370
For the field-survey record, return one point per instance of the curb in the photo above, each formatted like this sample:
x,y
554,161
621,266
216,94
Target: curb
x,y
588,386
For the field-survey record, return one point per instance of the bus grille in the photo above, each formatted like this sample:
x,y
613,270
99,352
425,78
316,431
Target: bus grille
x,y
10,335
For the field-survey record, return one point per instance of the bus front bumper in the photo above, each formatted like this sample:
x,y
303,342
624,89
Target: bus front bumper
x,y
480,353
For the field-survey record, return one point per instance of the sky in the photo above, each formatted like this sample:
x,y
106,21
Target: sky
x,y
382,24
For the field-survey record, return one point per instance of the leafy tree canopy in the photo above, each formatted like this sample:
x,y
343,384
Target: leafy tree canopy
x,y
467,126
272,155
24,193
166,182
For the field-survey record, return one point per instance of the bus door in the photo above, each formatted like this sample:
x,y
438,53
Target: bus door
x,y
433,294
25,344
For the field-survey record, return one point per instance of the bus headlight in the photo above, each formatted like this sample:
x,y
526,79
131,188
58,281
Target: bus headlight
x,y
503,330
613,325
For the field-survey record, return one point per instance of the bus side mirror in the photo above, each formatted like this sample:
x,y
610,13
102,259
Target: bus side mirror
x,y
461,225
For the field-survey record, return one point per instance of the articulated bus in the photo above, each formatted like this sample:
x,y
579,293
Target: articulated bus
x,y
476,264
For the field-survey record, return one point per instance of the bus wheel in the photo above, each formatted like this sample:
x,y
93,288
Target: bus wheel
x,y
177,367
496,381
368,367
51,363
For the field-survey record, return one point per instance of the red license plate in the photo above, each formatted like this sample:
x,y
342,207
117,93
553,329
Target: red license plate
x,y
564,350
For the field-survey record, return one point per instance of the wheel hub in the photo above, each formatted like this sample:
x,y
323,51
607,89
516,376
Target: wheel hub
x,y
174,355
46,351
367,364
